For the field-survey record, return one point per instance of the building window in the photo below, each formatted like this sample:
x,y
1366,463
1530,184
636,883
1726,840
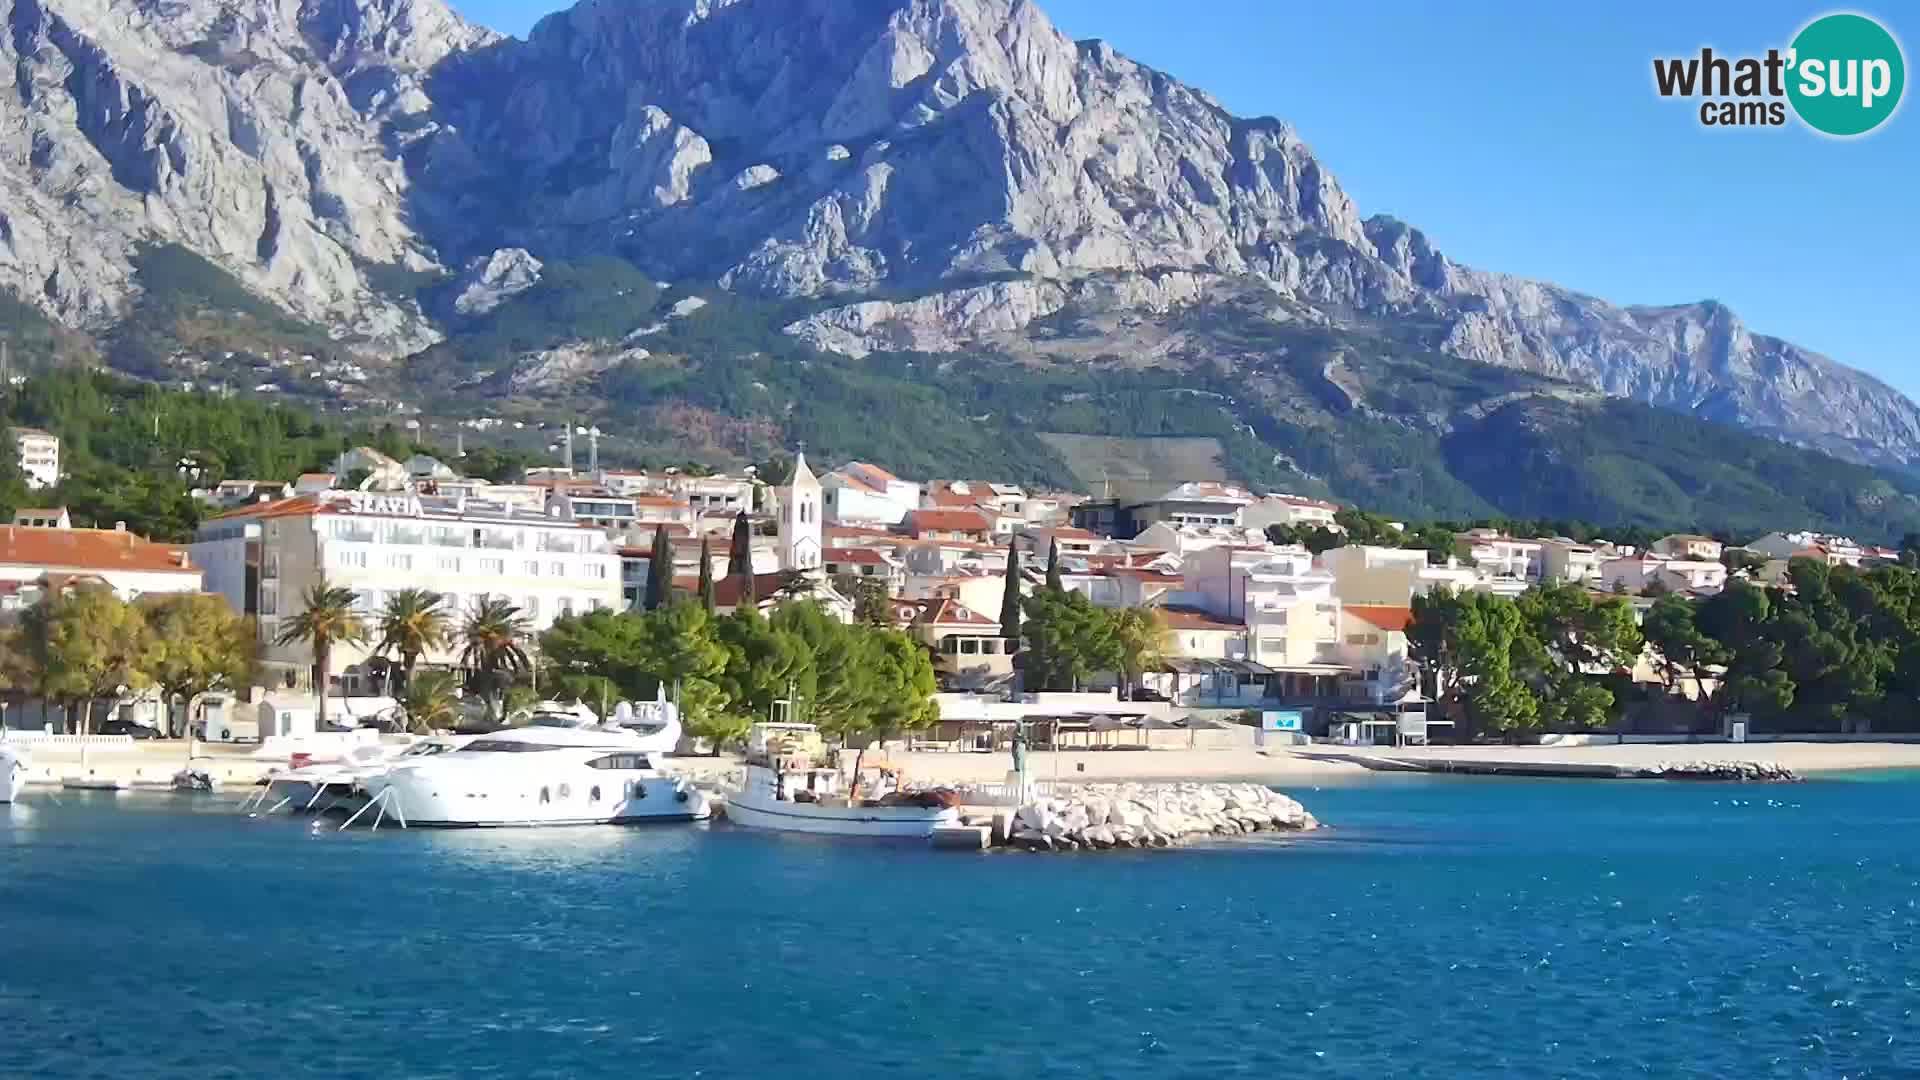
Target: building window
x,y
400,562
566,606
533,567
493,566
450,563
356,559
532,610
269,600
559,568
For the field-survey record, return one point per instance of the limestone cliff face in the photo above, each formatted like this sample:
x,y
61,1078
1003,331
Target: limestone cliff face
x,y
230,128
962,153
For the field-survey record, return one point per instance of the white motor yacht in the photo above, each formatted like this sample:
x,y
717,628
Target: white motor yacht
x,y
13,772
538,775
338,785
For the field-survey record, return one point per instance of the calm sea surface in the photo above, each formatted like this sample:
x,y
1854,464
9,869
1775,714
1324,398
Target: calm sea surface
x,y
1444,927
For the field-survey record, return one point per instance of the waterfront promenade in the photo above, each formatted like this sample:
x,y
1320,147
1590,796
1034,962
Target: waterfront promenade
x,y
153,763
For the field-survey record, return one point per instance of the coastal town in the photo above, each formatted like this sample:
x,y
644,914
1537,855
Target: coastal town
x,y
1178,614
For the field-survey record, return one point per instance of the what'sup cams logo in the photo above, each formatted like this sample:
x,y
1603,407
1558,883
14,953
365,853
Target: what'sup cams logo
x,y
1842,76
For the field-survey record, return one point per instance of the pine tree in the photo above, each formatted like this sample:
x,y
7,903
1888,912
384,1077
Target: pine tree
x,y
1053,568
1010,600
706,574
660,571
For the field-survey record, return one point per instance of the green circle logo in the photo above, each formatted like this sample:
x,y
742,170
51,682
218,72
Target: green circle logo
x,y
1845,74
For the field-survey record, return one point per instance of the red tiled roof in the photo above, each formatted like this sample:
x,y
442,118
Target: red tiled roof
x,y
1385,616
948,521
298,506
89,551
856,556
943,612
1179,618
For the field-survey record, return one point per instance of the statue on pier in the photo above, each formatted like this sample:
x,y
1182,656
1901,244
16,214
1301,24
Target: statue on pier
x,y
1019,775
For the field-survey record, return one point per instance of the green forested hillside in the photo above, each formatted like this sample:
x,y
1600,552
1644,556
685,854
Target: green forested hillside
x,y
130,451
1361,413
1617,461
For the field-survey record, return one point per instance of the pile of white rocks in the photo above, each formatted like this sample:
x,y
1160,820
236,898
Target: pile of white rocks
x,y
1098,816
1743,772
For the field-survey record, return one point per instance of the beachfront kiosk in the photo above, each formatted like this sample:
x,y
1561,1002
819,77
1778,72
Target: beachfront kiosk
x,y
1403,722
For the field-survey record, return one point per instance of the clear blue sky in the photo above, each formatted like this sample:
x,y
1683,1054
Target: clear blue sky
x,y
1528,139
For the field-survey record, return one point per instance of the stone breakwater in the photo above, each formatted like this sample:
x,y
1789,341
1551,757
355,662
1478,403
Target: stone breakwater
x,y
1100,816
1740,772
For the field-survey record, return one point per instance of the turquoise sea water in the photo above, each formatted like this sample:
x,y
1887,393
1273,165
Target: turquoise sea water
x,y
1444,927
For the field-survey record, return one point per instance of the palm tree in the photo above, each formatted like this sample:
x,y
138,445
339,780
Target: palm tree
x,y
413,623
329,619
493,649
430,702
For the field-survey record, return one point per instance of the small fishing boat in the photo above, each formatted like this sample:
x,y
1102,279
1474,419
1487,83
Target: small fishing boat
x,y
785,791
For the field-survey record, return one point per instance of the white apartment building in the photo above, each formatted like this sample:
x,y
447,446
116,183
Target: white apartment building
x,y
1039,540
1365,574
858,493
383,472
1689,546
531,498
705,494
1184,539
1290,510
1197,502
590,504
1288,605
1373,645
39,453
1569,560
264,558
1636,573
1503,557
1836,550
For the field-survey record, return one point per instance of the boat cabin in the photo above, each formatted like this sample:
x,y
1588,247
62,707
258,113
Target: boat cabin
x,y
769,738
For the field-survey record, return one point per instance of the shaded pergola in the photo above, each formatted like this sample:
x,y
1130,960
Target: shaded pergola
x,y
1222,678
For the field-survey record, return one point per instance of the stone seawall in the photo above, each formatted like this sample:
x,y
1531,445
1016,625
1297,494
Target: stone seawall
x,y
1101,816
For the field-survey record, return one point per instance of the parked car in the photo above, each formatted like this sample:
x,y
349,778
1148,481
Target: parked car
x,y
118,726
1146,693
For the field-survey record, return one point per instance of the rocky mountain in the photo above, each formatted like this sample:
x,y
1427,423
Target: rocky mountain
x,y
924,175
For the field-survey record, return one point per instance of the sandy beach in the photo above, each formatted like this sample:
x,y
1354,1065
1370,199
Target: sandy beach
x,y
1327,763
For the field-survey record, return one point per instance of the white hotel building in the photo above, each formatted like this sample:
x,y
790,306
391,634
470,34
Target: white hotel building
x,y
264,557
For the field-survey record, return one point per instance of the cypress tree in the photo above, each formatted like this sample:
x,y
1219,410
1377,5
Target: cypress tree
x,y
1053,568
706,574
1010,600
740,551
659,571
